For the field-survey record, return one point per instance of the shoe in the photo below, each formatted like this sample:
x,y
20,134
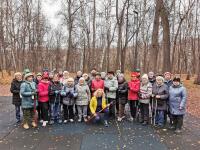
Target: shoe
x,y
18,121
26,126
34,125
160,125
119,119
65,121
79,120
145,123
59,121
172,127
85,119
71,120
106,123
177,131
131,119
44,124
51,122
41,121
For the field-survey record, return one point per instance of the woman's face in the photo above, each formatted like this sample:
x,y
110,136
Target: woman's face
x,y
81,82
70,83
39,78
144,80
30,78
99,93
176,83
133,77
55,78
98,77
19,77
159,81
167,76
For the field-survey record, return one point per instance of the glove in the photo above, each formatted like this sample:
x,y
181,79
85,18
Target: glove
x,y
56,92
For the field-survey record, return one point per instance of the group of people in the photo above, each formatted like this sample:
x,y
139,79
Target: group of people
x,y
56,97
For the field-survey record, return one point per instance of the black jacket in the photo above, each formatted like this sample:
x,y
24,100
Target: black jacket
x,y
53,97
15,90
122,92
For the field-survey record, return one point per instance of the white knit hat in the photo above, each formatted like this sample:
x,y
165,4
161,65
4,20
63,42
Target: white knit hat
x,y
145,76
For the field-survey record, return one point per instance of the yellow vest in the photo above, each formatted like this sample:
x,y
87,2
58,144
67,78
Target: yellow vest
x,y
93,104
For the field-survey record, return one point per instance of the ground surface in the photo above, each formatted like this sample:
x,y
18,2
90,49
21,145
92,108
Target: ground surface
x,y
80,136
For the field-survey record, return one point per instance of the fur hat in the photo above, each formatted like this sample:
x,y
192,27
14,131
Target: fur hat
x,y
28,75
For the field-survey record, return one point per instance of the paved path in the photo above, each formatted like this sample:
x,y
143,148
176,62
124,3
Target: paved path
x,y
81,136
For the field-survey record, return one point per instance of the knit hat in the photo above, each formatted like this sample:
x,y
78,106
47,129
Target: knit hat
x,y
70,80
65,72
17,74
121,75
28,75
160,78
45,75
134,74
177,79
98,74
145,76
81,79
39,74
26,71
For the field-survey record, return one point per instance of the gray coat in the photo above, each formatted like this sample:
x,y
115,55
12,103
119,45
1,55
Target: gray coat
x,y
177,100
26,90
145,93
163,91
112,86
83,97
69,94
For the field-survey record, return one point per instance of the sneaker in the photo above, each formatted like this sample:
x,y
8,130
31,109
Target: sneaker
x,y
106,123
34,125
41,121
85,119
59,121
71,120
79,120
172,127
177,131
51,122
26,126
131,119
65,121
145,123
44,124
119,119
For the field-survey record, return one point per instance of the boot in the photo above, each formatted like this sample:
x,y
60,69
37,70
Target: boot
x,y
34,125
26,126
106,123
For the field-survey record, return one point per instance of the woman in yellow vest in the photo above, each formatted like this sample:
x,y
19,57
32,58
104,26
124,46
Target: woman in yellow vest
x,y
99,108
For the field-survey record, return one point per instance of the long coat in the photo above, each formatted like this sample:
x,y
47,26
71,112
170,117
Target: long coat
x,y
112,85
53,97
83,97
122,92
15,90
177,100
26,90
69,94
145,93
163,91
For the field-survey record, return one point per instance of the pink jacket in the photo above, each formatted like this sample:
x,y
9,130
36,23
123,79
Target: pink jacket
x,y
97,84
134,88
43,94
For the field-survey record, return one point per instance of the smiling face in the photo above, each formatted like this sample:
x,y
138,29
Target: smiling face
x,y
55,78
81,82
176,83
167,76
99,93
159,81
110,75
18,77
30,78
39,78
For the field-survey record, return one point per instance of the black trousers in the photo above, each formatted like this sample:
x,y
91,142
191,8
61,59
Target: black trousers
x,y
45,110
68,112
133,107
39,110
144,111
112,107
177,121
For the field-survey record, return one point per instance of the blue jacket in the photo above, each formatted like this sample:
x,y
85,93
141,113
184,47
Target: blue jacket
x,y
26,90
177,100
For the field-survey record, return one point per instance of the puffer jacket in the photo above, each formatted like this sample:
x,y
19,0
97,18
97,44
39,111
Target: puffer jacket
x,y
15,90
134,88
43,91
26,90
177,100
111,85
97,84
53,96
163,91
122,92
69,94
83,97
145,93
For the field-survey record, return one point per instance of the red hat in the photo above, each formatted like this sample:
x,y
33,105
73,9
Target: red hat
x,y
135,74
45,75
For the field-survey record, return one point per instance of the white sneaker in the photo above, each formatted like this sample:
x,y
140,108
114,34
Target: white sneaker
x,y
41,121
79,120
65,121
119,119
71,120
44,123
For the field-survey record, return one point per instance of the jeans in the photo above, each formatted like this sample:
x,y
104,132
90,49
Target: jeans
x,y
102,116
160,117
55,111
82,110
68,112
17,112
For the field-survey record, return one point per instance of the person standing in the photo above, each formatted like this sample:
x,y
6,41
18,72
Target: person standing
x,y
111,86
28,93
15,90
43,98
97,83
134,88
177,103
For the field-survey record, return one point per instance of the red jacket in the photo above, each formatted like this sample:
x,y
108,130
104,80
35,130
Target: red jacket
x,y
134,88
43,94
97,84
